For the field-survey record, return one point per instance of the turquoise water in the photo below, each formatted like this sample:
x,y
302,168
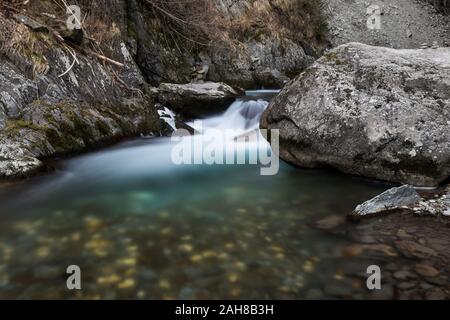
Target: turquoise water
x,y
141,227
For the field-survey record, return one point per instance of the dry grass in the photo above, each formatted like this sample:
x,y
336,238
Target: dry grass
x,y
18,42
100,19
190,24
186,25
296,20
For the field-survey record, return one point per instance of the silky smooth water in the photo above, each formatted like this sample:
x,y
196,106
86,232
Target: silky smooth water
x,y
141,227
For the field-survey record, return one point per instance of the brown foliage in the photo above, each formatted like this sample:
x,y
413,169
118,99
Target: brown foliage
x,y
193,23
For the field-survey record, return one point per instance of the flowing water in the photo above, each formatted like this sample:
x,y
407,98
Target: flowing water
x,y
140,226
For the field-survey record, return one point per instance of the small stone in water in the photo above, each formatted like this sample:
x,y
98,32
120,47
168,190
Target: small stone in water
x,y
426,270
114,278
166,231
277,249
240,265
164,284
223,256
186,247
235,292
42,252
196,258
229,246
406,285
132,249
233,277
209,254
127,262
411,249
338,276
164,215
330,222
93,222
76,236
126,284
404,275
279,256
308,266
285,289
358,249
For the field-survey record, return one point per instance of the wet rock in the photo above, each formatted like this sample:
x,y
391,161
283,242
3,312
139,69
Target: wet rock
x,y
407,285
411,249
196,99
426,270
391,267
330,222
370,111
404,275
392,199
270,79
359,249
434,207
16,160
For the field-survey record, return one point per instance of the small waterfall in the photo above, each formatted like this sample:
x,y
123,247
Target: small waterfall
x,y
152,157
242,116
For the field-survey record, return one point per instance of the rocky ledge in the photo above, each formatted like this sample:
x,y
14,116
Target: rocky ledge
x,y
370,111
407,199
195,100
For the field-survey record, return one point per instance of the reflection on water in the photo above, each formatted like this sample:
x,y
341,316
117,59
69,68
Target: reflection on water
x,y
140,227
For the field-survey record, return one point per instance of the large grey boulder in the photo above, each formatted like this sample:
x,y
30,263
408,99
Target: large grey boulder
x,y
196,99
391,199
370,111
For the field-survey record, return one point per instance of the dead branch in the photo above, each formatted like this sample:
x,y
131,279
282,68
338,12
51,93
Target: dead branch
x,y
104,58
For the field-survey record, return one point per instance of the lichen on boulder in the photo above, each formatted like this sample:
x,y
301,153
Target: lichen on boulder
x,y
369,111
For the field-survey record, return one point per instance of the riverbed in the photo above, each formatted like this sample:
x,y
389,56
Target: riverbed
x,y
141,227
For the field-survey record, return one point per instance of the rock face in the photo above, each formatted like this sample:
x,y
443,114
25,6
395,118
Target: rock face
x,y
69,106
369,111
49,116
258,59
394,198
196,99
